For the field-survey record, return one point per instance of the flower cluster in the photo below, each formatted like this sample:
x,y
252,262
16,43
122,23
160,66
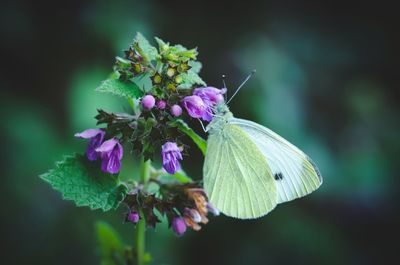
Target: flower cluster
x,y
149,128
163,88
109,151
184,205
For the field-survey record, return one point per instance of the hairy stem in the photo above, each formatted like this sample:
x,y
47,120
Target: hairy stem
x,y
140,237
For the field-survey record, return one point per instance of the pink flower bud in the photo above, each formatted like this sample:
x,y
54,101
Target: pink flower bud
x,y
148,102
178,225
133,217
161,104
176,110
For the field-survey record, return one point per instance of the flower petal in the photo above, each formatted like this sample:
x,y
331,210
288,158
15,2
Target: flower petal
x,y
107,146
90,133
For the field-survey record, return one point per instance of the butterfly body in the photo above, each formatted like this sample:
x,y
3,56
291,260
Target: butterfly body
x,y
249,169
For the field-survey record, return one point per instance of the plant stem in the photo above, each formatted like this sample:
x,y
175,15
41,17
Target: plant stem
x,y
144,170
140,236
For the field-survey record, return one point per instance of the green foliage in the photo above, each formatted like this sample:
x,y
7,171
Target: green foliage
x,y
120,88
183,127
191,78
110,246
143,81
175,53
82,182
196,66
179,176
146,50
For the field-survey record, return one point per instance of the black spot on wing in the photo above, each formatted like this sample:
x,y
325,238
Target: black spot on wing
x,y
278,176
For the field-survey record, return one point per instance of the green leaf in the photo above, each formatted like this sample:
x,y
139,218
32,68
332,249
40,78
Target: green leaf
x,y
179,176
143,81
81,181
151,188
196,66
183,127
110,245
163,46
120,88
148,52
189,79
182,177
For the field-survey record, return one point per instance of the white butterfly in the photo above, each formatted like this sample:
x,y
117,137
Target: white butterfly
x,y
249,169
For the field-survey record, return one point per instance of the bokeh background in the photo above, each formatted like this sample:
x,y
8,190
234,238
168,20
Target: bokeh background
x,y
327,80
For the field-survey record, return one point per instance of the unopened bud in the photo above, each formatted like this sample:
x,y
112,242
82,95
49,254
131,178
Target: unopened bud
x,y
148,102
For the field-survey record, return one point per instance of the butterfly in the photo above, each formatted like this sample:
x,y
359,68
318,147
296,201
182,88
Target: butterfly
x,y
249,169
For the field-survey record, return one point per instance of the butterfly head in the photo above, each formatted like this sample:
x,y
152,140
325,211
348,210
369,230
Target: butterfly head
x,y
221,116
222,109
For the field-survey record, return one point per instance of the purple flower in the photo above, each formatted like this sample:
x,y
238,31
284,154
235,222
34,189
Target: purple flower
x,y
96,137
111,154
148,102
133,217
212,209
179,226
170,155
176,110
210,95
195,106
161,104
192,214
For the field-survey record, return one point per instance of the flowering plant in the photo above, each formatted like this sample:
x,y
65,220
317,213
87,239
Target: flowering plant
x,y
164,89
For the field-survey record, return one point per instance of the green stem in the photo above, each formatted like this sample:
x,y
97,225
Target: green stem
x,y
140,236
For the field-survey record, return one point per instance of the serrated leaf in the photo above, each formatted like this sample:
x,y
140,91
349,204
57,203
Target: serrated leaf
x,y
196,66
148,52
183,127
120,88
163,46
143,81
81,181
189,79
110,245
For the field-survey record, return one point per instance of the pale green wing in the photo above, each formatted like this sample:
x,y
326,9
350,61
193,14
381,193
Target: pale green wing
x,y
295,173
237,178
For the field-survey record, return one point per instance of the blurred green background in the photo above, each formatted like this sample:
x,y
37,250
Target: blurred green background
x,y
327,80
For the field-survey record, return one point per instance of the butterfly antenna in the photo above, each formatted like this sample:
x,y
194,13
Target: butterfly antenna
x,y
223,82
242,84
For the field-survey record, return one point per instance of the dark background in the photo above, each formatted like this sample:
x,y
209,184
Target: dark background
x,y
327,80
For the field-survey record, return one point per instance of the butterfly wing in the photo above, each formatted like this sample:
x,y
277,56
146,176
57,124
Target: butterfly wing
x,y
295,173
237,178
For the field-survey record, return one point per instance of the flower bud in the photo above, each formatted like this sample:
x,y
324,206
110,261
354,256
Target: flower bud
x,y
161,104
183,67
212,209
171,86
133,217
176,110
156,78
193,214
179,226
148,102
171,71
137,68
178,79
